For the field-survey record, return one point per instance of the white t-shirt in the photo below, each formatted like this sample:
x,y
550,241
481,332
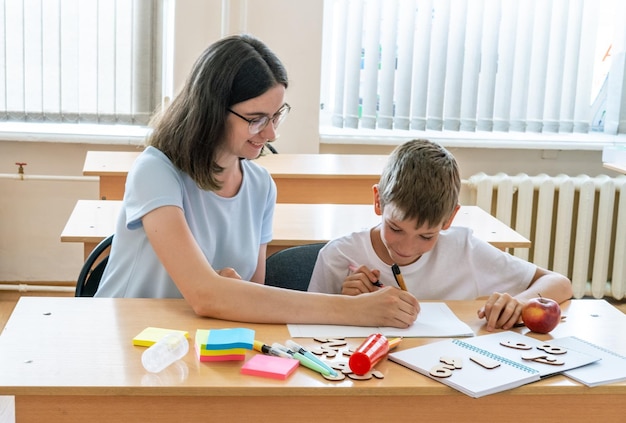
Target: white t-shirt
x,y
228,230
459,267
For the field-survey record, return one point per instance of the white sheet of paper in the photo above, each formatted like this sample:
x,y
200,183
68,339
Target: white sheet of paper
x,y
435,320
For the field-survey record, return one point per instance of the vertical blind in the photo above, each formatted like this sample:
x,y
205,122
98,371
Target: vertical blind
x,y
79,61
473,65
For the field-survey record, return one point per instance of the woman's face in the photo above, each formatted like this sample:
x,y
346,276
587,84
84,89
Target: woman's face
x,y
240,142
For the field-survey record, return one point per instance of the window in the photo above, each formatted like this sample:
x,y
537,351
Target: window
x,y
80,61
491,66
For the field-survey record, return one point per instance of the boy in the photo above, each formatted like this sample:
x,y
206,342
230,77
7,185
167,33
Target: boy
x,y
417,198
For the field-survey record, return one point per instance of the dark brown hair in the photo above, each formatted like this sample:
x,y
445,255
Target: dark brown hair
x,y
192,128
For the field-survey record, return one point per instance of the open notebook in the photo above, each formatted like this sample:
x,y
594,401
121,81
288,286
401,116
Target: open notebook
x,y
435,320
611,368
481,365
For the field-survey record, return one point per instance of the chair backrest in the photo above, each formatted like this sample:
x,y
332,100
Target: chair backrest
x,y
91,273
292,267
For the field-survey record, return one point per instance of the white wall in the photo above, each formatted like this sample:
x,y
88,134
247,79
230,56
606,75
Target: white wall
x,y
33,213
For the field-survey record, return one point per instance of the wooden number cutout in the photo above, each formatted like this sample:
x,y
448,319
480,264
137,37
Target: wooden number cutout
x,y
486,362
446,366
552,349
330,347
516,345
456,362
441,370
344,370
545,359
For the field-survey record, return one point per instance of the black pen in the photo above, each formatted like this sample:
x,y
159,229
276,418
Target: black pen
x,y
398,276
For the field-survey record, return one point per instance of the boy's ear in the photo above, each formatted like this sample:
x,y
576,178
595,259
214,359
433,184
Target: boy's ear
x,y
377,209
449,222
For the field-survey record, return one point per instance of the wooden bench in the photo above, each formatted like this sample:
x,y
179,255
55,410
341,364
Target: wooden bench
x,y
300,178
294,224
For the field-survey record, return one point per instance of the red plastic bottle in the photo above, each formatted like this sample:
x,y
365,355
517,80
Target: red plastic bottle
x,y
375,347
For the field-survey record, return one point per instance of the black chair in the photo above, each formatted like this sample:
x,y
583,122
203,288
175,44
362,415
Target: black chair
x,y
91,273
292,267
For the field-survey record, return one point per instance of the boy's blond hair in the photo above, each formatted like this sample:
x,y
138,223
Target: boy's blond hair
x,y
422,180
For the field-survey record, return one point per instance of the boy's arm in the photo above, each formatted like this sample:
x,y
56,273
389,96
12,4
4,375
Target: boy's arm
x,y
503,311
547,284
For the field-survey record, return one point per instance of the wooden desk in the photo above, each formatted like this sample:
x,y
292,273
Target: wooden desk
x,y
300,178
617,167
324,178
71,359
294,224
111,167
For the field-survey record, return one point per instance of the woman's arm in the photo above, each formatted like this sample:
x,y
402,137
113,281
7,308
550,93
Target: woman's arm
x,y
259,274
212,295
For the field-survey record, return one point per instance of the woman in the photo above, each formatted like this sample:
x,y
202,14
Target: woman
x,y
197,212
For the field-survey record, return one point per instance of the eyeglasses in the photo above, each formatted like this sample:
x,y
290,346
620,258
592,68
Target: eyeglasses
x,y
256,125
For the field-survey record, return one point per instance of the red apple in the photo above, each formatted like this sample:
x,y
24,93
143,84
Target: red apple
x,y
541,315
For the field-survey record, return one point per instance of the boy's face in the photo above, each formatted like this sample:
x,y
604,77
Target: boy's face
x,y
405,243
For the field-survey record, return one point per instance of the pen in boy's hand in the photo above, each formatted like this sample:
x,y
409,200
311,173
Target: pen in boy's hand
x,y
399,278
353,268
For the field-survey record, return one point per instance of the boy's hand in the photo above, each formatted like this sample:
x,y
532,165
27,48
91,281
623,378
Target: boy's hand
x,y
361,281
390,306
502,311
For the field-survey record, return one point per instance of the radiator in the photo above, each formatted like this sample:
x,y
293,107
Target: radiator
x,y
577,224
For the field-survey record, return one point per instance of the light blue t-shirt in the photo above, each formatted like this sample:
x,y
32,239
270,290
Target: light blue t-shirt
x,y
228,230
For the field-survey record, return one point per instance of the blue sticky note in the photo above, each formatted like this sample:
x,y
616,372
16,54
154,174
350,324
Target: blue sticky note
x,y
221,339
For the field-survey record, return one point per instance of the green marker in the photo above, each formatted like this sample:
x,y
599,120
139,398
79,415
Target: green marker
x,y
305,361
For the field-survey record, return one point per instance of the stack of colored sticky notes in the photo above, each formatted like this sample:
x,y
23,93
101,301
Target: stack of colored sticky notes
x,y
152,335
223,344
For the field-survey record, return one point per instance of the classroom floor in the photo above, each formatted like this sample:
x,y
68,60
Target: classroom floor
x,y
8,299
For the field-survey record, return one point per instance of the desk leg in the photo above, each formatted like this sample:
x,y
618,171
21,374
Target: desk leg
x,y
88,247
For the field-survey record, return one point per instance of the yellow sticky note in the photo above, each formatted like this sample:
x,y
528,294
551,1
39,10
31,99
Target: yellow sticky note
x,y
151,335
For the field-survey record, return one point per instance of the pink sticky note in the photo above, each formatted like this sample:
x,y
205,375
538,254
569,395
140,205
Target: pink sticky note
x,y
270,366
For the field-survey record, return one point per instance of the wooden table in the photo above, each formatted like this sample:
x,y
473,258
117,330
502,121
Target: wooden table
x,y
324,178
71,359
294,224
300,178
617,167
112,168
